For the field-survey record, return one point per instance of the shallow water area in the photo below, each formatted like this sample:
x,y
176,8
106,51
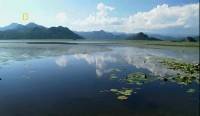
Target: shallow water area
x,y
76,79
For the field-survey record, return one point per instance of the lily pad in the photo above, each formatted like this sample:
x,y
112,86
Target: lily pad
x,y
189,72
113,76
184,67
190,91
122,97
113,90
137,78
114,70
122,94
126,92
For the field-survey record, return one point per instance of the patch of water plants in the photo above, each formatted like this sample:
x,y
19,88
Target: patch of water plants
x,y
113,74
122,94
178,65
136,78
115,70
186,73
189,72
190,91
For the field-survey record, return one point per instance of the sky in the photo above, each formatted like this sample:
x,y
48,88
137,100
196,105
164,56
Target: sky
x,y
130,16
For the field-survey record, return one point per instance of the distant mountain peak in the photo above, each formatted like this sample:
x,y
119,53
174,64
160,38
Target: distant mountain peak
x,y
35,31
33,25
15,24
101,31
101,34
141,36
12,26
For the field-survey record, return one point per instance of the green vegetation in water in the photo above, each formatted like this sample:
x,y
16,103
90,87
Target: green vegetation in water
x,y
176,65
122,97
190,91
189,72
115,70
113,73
159,44
183,79
113,76
122,94
136,78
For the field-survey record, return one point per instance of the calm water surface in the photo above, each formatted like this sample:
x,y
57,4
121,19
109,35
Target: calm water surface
x,y
73,80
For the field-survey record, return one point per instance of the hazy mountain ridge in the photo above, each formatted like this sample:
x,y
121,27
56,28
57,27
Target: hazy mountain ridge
x,y
141,36
102,35
34,31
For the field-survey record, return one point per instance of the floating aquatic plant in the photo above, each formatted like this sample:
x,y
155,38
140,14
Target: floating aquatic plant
x,y
113,76
189,72
122,94
137,78
122,97
113,73
184,67
190,91
114,70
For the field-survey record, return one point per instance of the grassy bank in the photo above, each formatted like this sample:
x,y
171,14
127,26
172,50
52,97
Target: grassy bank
x,y
159,43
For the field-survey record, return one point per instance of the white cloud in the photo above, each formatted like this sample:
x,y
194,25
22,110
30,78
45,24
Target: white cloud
x,y
100,19
103,10
162,18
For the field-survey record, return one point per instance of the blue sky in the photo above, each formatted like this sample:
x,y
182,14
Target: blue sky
x,y
109,15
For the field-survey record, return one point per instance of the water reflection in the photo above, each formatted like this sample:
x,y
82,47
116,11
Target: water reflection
x,y
32,81
98,56
100,61
61,61
140,58
28,52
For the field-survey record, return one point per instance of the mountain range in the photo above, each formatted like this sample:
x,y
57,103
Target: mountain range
x,y
34,31
141,36
102,35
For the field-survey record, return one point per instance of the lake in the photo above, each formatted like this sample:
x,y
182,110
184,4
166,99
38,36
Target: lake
x,y
89,80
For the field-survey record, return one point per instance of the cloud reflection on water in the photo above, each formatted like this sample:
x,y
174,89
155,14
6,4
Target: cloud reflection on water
x,y
140,58
61,61
99,60
99,56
